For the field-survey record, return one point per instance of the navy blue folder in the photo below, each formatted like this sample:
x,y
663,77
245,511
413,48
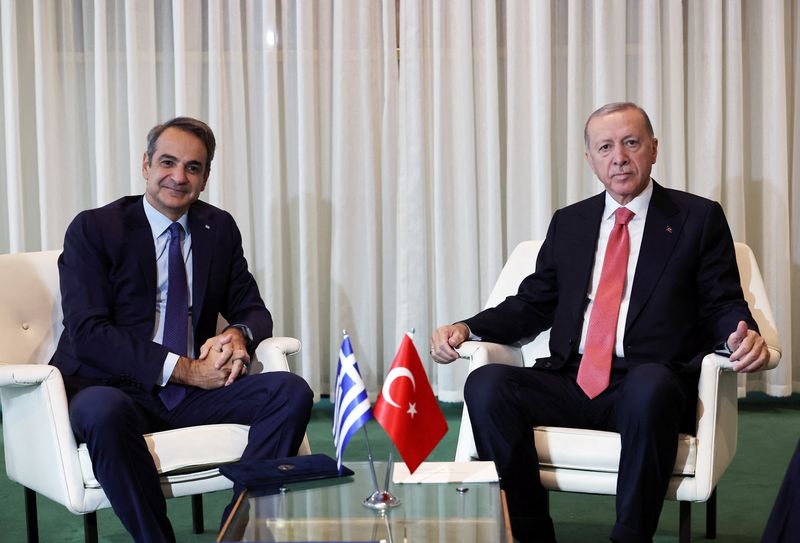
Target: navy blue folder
x,y
273,474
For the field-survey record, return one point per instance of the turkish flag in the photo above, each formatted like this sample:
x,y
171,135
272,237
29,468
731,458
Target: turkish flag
x,y
407,408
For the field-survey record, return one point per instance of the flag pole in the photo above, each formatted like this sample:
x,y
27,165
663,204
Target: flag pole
x,y
371,462
369,449
389,467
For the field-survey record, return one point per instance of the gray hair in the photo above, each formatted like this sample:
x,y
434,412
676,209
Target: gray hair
x,y
187,124
614,107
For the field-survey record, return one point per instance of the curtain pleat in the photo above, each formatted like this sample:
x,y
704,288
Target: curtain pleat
x,y
383,158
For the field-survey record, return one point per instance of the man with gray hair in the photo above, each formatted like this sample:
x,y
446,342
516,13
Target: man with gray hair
x,y
636,285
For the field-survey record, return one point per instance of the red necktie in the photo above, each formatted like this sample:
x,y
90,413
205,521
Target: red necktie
x,y
595,368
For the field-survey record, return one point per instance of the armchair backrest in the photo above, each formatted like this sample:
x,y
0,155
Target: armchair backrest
x,y
522,262
756,295
30,307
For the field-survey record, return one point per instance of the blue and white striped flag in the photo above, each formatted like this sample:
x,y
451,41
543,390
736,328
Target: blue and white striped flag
x,y
351,406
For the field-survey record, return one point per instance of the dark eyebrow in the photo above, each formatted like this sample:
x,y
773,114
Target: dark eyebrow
x,y
175,159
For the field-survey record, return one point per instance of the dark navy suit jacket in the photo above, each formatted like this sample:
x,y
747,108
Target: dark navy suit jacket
x,y
108,289
686,295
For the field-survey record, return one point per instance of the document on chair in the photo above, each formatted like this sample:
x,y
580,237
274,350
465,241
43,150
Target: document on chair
x,y
446,472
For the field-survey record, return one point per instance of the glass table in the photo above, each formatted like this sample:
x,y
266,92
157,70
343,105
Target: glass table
x,y
331,510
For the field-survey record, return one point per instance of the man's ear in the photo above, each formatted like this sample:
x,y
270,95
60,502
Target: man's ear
x,y
589,161
145,166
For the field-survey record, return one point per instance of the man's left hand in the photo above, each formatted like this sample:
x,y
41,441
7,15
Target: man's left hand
x,y
239,359
749,351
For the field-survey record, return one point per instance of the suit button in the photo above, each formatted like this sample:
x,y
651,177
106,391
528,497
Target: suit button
x,y
548,365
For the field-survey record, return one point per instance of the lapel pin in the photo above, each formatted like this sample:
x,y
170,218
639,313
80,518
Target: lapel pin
x,y
209,228
668,229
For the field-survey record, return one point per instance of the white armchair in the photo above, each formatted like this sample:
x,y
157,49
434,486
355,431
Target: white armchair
x,y
578,460
40,449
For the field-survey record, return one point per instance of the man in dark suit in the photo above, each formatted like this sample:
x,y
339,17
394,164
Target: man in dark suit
x,y
678,296
121,378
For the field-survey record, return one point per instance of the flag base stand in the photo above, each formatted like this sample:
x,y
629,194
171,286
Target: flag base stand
x,y
381,501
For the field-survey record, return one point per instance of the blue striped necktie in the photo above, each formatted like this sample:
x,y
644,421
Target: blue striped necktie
x,y
176,319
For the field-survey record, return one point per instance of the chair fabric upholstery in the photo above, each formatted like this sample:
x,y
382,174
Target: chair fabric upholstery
x,y
579,460
40,449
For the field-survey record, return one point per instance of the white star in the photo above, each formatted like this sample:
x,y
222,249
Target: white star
x,y
412,409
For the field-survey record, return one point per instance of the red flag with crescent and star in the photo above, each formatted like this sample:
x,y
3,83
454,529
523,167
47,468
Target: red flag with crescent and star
x,y
407,408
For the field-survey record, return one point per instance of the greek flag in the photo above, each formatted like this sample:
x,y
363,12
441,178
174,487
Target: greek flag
x,y
351,405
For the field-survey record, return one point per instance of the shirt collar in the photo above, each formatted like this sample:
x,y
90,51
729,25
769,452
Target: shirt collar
x,y
158,222
638,205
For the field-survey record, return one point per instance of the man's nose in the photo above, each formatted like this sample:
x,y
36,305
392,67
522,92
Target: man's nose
x,y
620,157
179,173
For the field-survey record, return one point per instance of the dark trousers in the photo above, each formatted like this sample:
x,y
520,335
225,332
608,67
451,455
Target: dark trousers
x,y
647,404
111,421
783,525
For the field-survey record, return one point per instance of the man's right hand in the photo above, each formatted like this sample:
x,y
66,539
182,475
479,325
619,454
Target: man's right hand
x,y
210,372
446,339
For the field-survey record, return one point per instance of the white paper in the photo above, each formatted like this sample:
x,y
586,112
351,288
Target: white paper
x,y
446,472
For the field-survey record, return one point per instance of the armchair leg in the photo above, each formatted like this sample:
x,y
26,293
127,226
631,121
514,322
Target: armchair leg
x,y
685,524
31,517
711,516
197,514
90,527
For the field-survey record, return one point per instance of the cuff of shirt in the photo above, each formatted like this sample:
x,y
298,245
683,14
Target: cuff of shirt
x,y
166,370
723,350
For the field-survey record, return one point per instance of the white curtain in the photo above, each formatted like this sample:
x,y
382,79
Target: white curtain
x,y
382,158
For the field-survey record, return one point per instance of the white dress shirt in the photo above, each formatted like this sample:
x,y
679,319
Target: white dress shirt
x,y
639,207
159,225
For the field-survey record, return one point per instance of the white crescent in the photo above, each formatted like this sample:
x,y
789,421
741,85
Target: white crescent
x,y
396,373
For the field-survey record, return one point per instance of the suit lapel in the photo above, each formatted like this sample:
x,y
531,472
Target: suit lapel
x,y
661,232
140,236
202,244
583,253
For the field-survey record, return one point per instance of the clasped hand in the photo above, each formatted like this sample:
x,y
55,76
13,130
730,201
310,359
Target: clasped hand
x,y
222,360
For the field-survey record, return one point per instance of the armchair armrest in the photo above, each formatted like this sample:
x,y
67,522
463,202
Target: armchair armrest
x,y
717,424
273,353
774,357
480,353
20,375
40,448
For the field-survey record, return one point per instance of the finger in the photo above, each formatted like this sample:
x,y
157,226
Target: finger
x,y
738,335
741,328
751,359
241,354
223,357
458,335
236,371
206,348
749,365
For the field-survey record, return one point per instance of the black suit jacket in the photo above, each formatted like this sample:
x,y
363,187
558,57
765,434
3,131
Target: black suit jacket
x,y
686,295
108,288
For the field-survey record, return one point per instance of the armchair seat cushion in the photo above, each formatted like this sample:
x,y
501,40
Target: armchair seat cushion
x,y
185,454
598,451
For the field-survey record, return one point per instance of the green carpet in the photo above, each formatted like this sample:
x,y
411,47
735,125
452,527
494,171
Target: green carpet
x,y
768,433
